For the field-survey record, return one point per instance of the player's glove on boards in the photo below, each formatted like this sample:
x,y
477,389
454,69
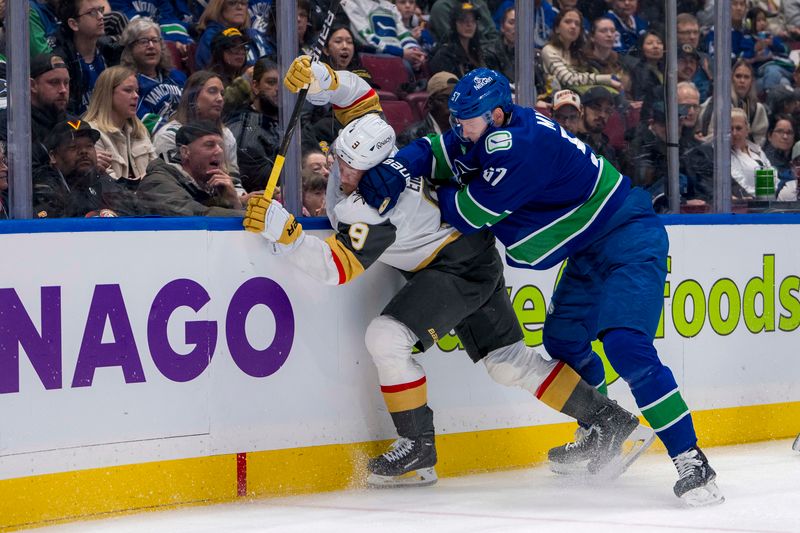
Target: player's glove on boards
x,y
317,76
382,185
274,223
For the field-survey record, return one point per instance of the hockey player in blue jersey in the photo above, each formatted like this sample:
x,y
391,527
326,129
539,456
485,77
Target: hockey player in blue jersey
x,y
548,197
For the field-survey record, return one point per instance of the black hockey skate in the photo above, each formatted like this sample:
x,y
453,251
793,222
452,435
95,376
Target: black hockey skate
x,y
598,450
796,444
408,462
696,486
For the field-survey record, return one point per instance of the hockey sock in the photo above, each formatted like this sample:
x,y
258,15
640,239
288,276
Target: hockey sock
x,y
408,406
566,392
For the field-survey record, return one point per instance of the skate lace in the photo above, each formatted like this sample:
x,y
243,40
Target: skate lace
x,y
399,449
581,434
686,463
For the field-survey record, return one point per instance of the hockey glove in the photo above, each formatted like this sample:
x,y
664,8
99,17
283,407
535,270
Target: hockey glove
x,y
317,76
274,223
382,185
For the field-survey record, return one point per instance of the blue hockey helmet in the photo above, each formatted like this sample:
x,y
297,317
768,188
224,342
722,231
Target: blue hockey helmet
x,y
478,93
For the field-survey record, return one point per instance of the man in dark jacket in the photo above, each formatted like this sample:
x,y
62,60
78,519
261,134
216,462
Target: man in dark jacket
x,y
437,120
598,105
72,185
199,187
256,128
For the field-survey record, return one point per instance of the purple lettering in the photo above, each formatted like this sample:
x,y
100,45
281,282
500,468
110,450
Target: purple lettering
x,y
107,303
17,329
201,333
259,363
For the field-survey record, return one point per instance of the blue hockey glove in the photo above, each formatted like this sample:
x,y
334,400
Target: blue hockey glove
x,y
382,185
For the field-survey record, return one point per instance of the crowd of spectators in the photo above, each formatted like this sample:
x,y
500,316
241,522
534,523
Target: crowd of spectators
x,y
170,107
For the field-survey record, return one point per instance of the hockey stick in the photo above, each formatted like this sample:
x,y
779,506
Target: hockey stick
x,y
269,190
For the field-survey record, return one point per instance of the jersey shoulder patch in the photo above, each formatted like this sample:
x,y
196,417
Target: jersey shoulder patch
x,y
498,141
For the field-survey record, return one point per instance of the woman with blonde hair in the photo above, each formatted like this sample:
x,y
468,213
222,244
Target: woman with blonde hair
x,y
746,156
160,85
220,15
112,112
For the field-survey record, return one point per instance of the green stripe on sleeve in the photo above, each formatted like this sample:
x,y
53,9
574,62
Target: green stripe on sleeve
x,y
474,213
442,170
665,411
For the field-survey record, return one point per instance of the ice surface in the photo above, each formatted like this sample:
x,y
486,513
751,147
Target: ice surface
x,y
761,483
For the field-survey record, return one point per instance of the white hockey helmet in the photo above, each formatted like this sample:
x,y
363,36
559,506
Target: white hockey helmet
x,y
365,142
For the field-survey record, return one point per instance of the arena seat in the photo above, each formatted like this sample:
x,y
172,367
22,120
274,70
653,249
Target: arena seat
x,y
398,114
386,95
388,72
417,100
615,129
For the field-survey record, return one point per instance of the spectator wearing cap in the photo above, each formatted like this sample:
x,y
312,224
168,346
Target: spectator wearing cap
x,y
202,99
256,129
228,54
378,27
500,53
781,136
441,11
199,186
437,116
629,25
82,44
221,14
688,62
567,110
598,105
689,33
788,191
564,56
72,185
460,52
112,111
160,85
49,98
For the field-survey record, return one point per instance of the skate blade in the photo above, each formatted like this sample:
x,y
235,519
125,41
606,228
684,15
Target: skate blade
x,y
796,445
416,478
703,496
635,445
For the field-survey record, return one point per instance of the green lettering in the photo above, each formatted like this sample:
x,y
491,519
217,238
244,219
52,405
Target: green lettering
x,y
727,288
660,329
765,287
449,342
688,289
531,310
790,303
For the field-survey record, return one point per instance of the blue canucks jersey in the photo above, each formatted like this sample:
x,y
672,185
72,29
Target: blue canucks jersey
x,y
543,191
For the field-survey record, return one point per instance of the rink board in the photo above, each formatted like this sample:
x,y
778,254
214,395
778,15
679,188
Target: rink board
x,y
109,401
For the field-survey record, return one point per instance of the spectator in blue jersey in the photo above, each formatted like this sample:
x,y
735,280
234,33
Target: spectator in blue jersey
x,y
112,111
629,25
221,14
461,51
411,15
379,28
548,197
162,12
770,55
43,26
741,43
160,85
82,45
544,16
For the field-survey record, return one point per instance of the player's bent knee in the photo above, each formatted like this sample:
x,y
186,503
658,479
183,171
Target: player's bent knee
x,y
632,355
517,365
388,340
565,340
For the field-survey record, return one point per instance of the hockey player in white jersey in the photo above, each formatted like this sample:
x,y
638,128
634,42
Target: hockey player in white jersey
x,y
454,282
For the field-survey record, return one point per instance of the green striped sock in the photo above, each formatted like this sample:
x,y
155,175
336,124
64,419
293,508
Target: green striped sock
x,y
666,411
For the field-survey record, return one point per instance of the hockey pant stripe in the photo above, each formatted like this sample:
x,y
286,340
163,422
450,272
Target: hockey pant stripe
x,y
558,387
405,396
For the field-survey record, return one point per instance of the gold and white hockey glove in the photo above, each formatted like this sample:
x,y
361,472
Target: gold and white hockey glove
x,y
316,75
274,223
